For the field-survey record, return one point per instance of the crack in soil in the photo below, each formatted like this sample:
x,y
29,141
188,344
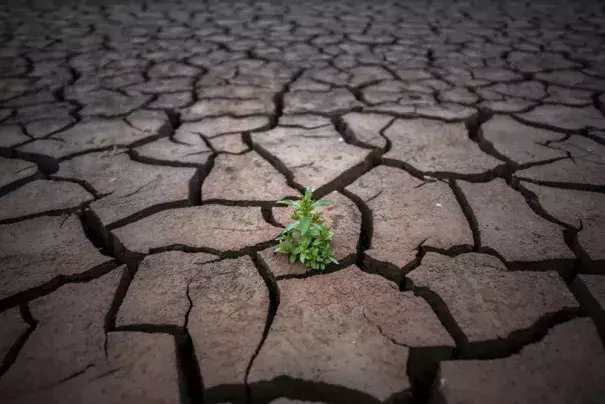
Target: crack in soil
x,y
298,389
441,310
274,298
590,306
422,362
11,356
367,225
467,210
514,342
38,291
191,382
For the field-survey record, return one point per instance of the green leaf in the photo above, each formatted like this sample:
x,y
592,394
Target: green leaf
x,y
321,202
308,238
291,226
305,223
285,247
319,227
309,191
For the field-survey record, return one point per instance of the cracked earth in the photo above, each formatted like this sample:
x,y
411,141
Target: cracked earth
x,y
143,147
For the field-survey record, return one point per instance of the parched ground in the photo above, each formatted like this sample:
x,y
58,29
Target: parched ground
x,y
143,147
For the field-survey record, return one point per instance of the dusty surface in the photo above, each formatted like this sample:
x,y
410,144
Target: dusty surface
x,y
143,148
568,363
365,346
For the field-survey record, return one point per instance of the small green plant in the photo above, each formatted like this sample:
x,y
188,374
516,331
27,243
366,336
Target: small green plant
x,y
308,237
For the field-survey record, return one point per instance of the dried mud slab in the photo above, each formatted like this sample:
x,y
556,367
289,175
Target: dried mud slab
x,y
160,85
520,143
435,146
408,213
180,99
386,93
35,251
446,111
537,62
46,127
573,97
69,337
487,301
230,144
224,124
230,302
307,121
12,327
42,196
171,69
88,135
459,95
496,74
586,164
580,209
596,287
140,367
508,225
368,74
328,102
563,117
158,292
183,148
364,326
573,78
12,170
246,178
235,92
214,227
528,90
148,121
315,156
237,108
367,128
425,106
508,105
11,135
566,366
344,219
32,113
109,103
130,186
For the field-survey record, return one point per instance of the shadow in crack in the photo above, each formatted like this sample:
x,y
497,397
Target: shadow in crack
x,y
297,389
